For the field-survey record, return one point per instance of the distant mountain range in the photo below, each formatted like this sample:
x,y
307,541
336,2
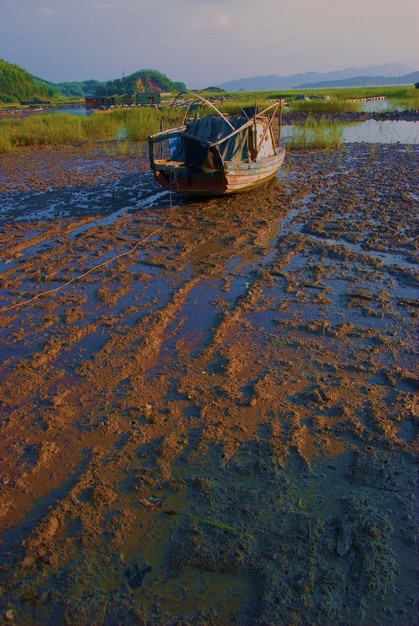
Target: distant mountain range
x,y
364,81
387,74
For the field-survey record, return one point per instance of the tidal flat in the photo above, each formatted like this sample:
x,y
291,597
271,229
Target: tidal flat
x,y
208,407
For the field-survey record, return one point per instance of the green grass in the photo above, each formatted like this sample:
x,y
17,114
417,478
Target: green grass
x,y
60,129
315,135
404,97
54,129
100,126
142,122
39,130
139,123
325,107
5,141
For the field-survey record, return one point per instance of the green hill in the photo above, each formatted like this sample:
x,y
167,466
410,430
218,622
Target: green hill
x,y
79,89
143,80
17,84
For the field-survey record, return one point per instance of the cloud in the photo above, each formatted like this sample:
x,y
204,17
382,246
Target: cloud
x,y
45,11
223,20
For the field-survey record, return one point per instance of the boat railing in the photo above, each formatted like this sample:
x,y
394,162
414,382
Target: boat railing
x,y
167,134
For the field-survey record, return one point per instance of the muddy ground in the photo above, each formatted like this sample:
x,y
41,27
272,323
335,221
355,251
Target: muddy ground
x,y
208,406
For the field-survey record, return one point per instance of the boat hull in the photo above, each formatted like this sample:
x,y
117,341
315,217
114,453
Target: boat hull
x,y
237,177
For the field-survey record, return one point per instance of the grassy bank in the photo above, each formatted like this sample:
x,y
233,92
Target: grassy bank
x,y
338,100
315,135
325,107
61,129
394,94
57,129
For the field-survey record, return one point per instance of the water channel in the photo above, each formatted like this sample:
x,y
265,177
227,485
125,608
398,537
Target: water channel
x,y
373,131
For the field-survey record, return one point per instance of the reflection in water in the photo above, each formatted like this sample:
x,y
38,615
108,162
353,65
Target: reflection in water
x,y
72,111
388,131
371,131
376,105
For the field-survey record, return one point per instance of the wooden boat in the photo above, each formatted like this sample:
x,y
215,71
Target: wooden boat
x,y
218,155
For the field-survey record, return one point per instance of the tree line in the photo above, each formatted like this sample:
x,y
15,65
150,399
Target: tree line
x,y
16,84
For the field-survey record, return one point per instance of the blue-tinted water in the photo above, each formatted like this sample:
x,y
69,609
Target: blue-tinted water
x,y
372,131
75,111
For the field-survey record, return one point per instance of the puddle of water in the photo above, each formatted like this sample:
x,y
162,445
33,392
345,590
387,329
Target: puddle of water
x,y
75,111
388,131
386,258
372,131
198,315
376,105
286,226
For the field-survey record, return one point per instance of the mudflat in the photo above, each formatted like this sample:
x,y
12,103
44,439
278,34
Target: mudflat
x,y
208,407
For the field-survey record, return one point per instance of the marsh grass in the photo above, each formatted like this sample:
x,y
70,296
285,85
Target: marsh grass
x,y
5,141
404,97
54,129
325,107
117,148
236,107
60,129
139,123
408,101
101,126
46,130
315,135
123,148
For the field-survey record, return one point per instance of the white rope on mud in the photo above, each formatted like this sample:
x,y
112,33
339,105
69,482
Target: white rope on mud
x,y
92,269
50,291
303,153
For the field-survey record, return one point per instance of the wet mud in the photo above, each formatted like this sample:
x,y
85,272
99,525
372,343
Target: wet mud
x,y
208,407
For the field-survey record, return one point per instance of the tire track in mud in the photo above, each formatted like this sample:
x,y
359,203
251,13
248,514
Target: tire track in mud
x,y
149,335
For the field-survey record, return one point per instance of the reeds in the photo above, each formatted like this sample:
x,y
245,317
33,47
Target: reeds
x,y
105,126
49,130
142,122
59,129
315,135
5,142
136,124
325,107
407,101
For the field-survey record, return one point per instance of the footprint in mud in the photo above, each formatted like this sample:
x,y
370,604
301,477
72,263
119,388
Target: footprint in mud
x,y
135,575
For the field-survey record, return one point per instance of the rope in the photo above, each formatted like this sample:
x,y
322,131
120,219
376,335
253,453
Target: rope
x,y
50,291
92,269
303,153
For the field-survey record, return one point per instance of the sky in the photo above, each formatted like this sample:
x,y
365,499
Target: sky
x,y
205,42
